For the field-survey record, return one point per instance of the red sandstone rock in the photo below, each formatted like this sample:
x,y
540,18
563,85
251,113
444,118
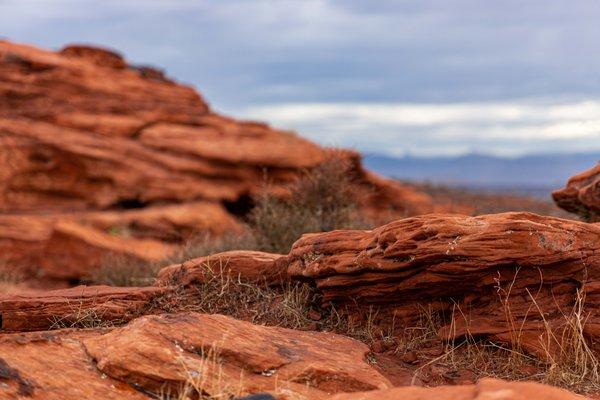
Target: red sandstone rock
x,y
219,355
225,355
479,268
485,389
80,306
581,195
249,266
55,366
24,238
86,138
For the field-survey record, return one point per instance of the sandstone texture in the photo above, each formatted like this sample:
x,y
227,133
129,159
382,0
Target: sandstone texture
x,y
168,355
226,355
81,306
507,277
496,274
119,150
485,389
158,355
55,366
581,195
249,266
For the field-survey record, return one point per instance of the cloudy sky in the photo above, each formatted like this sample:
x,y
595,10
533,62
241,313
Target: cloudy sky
x,y
424,77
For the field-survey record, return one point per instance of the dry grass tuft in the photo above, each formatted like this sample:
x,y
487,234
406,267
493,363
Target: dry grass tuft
x,y
568,359
83,316
294,305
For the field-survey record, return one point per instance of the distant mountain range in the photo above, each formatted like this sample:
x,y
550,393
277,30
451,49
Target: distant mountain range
x,y
532,174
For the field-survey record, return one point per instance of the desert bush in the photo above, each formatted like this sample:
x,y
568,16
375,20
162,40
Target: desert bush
x,y
322,200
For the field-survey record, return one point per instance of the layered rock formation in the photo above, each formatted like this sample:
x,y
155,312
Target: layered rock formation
x,y
508,276
129,155
512,278
81,307
250,266
165,356
581,195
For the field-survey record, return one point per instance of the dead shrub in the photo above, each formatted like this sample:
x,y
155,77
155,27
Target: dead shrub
x,y
323,199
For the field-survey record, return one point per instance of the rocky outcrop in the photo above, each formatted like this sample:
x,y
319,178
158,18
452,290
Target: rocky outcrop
x,y
82,306
162,355
88,139
485,389
225,355
508,276
581,195
249,266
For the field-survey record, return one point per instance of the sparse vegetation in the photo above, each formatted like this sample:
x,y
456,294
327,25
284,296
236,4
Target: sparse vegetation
x,y
321,200
567,361
9,278
117,270
83,316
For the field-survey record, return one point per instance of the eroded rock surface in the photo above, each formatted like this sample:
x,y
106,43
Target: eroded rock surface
x,y
88,139
581,195
249,266
82,306
55,366
494,273
484,389
225,355
162,356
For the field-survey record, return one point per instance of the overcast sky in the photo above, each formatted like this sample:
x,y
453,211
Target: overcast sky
x,y
425,77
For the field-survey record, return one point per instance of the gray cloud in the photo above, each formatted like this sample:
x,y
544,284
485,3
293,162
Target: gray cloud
x,y
244,54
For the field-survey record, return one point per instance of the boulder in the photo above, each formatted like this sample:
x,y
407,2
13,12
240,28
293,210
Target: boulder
x,y
55,366
221,355
510,276
581,195
160,356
